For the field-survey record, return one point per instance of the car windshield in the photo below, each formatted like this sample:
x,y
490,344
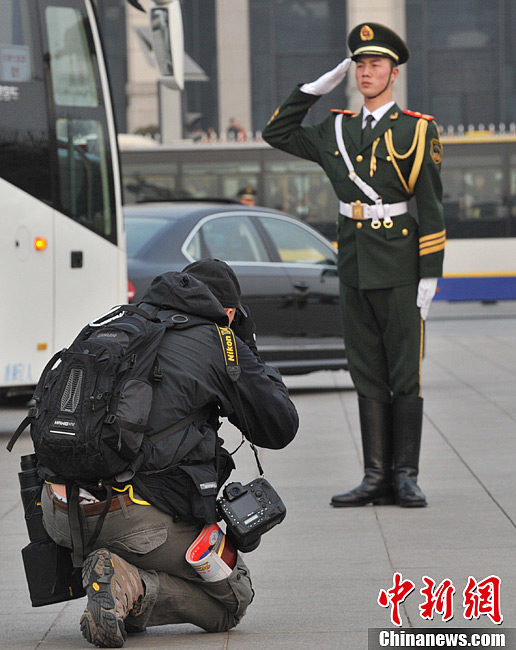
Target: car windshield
x,y
140,231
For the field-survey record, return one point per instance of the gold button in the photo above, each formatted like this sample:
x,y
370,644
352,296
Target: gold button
x,y
359,225
359,158
404,232
336,153
389,158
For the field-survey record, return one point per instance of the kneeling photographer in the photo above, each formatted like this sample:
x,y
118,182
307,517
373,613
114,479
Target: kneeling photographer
x,y
137,574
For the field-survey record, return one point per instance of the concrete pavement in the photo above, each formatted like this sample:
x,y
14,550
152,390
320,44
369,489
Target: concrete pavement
x,y
318,575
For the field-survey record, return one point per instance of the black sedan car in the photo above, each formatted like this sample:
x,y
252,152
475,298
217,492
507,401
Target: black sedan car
x,y
287,271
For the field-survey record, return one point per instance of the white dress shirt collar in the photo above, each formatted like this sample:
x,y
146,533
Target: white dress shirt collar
x,y
377,114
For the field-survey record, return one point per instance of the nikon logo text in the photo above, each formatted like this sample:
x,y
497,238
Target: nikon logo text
x,y
230,350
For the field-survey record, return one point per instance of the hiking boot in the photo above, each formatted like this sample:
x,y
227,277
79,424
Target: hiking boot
x,y
115,591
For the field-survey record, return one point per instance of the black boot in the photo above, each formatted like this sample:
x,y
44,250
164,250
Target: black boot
x,y
407,424
376,429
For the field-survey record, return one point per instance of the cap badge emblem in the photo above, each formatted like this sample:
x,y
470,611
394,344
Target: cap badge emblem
x,y
366,33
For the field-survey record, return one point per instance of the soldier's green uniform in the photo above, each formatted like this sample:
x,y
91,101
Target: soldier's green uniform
x,y
373,256
383,251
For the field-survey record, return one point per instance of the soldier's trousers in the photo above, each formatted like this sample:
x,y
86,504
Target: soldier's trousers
x,y
150,540
384,338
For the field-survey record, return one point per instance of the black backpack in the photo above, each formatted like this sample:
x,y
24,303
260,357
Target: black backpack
x,y
91,409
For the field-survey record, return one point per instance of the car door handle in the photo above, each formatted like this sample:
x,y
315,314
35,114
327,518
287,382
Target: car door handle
x,y
301,286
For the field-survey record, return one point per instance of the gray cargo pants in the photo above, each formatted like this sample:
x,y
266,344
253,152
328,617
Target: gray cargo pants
x,y
150,540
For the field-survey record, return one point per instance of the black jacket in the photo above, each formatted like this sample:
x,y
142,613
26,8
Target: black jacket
x,y
178,474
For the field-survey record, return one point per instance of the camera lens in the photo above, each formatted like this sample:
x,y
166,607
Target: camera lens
x,y
30,489
29,479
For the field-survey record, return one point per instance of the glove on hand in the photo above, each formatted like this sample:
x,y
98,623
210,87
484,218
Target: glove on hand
x,y
425,293
243,326
328,81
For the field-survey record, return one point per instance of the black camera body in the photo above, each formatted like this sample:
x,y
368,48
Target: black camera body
x,y
250,511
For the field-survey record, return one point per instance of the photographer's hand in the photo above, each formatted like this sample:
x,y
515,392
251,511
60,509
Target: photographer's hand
x,y
244,327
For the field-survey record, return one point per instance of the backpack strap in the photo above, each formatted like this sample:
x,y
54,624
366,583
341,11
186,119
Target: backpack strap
x,y
33,411
80,550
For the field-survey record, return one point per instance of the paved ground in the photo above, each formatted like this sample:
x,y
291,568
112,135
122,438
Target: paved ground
x,y
319,574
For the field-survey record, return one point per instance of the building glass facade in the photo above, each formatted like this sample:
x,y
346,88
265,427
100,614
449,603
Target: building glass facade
x,y
200,99
294,41
462,66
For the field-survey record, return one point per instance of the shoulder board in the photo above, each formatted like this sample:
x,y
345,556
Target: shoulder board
x,y
417,114
337,110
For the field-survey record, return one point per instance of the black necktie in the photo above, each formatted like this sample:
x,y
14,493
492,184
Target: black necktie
x,y
366,131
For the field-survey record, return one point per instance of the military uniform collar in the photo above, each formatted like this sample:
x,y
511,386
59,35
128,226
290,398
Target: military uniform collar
x,y
353,126
377,114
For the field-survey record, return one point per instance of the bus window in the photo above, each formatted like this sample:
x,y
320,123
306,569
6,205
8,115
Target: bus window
x,y
83,163
299,188
83,175
150,182
473,201
24,137
219,179
73,80
512,194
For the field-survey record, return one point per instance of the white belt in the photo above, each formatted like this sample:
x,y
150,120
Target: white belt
x,y
375,212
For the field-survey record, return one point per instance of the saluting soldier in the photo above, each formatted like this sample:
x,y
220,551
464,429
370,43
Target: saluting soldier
x,y
388,261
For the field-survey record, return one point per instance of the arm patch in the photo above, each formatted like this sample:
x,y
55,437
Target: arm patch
x,y
436,150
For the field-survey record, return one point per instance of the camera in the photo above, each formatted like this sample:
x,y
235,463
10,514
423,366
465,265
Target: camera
x,y
250,511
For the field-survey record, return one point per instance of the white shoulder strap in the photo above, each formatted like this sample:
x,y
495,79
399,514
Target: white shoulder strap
x,y
366,189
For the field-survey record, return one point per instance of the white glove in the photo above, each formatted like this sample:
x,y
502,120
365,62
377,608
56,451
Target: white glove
x,y
328,81
425,293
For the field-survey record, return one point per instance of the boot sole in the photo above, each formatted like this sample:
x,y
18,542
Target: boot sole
x,y
380,501
412,504
99,625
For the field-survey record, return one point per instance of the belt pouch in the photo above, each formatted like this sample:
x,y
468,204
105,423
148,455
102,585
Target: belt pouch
x,y
50,574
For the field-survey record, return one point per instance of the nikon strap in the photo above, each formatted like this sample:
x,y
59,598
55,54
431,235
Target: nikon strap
x,y
230,351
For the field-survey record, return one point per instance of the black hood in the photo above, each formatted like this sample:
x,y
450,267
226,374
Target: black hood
x,y
182,292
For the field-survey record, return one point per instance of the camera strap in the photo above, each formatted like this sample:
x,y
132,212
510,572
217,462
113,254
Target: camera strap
x,y
229,348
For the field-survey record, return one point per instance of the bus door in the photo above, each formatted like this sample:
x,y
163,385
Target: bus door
x,y
89,260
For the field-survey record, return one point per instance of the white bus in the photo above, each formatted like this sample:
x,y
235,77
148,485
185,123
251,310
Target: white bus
x,y
62,240
479,180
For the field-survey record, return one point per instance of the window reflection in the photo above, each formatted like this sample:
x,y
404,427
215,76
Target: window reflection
x,y
295,244
232,239
73,80
474,201
83,173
